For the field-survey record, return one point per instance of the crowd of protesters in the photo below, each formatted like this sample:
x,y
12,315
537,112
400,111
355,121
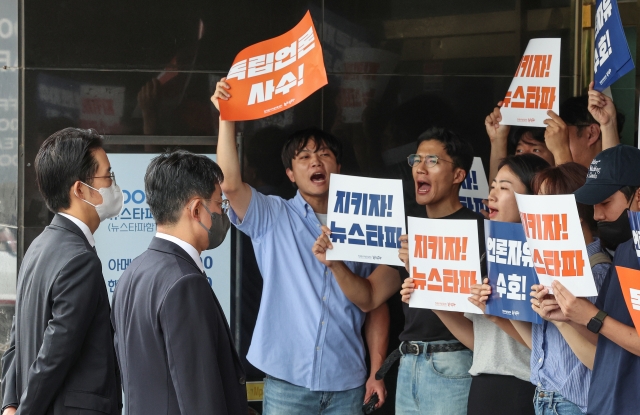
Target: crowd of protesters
x,y
165,342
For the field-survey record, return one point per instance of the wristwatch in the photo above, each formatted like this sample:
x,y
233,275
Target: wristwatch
x,y
595,324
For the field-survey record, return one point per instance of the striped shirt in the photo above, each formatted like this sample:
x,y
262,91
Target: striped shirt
x,y
554,366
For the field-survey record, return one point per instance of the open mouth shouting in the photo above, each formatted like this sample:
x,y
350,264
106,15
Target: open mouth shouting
x,y
318,178
423,187
493,212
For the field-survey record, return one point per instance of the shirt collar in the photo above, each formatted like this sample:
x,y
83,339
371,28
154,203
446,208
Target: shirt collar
x,y
188,248
594,247
83,227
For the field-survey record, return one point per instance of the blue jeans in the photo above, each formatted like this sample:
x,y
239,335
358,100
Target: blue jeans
x,y
552,403
284,398
434,384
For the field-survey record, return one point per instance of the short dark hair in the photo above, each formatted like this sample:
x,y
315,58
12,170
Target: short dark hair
x,y
564,180
63,159
628,192
298,140
174,178
525,166
516,134
575,111
457,148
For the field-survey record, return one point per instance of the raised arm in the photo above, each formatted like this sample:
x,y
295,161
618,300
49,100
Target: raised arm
x,y
498,135
604,111
238,192
556,137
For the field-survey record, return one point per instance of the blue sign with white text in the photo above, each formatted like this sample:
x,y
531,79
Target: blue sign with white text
x,y
510,272
611,55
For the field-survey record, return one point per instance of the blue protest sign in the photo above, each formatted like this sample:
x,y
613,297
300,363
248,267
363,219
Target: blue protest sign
x,y
510,272
611,55
634,221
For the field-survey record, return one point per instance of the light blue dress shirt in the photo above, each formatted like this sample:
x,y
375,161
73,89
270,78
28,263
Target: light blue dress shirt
x,y
307,333
554,366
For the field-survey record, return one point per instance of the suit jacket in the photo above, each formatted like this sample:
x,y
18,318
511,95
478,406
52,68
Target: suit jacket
x,y
61,359
172,340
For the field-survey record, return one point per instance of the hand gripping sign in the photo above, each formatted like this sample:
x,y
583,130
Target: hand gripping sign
x,y
535,88
510,272
366,218
475,187
276,74
630,278
444,263
611,55
552,227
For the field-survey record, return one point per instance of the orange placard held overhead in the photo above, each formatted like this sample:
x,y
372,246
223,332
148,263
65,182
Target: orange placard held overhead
x,y
276,74
630,285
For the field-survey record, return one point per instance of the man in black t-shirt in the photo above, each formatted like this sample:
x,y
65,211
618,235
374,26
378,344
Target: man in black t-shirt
x,y
433,377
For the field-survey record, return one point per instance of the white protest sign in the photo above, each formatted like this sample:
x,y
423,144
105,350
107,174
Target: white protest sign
x,y
444,263
552,227
366,217
535,89
475,187
121,239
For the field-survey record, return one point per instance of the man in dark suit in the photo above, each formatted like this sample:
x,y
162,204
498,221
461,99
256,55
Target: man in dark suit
x,y
61,359
172,340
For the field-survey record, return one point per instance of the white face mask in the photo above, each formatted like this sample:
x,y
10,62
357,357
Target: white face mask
x,y
112,201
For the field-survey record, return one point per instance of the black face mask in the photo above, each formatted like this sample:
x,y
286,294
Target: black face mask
x,y
218,231
614,233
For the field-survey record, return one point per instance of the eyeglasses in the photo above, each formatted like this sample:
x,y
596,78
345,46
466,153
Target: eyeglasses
x,y
111,176
430,160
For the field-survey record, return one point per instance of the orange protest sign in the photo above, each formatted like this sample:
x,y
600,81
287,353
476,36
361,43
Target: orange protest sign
x,y
276,74
630,285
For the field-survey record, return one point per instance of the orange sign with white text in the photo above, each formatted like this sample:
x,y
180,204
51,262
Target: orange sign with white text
x,y
276,74
630,285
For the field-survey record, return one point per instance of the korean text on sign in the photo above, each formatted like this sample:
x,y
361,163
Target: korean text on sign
x,y
535,86
630,286
366,218
510,272
611,54
444,263
558,251
475,187
276,74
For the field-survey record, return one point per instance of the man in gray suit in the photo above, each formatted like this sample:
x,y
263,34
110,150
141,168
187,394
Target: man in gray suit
x,y
61,358
172,340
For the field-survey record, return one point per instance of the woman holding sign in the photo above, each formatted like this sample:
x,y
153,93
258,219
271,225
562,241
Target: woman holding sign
x,y
500,369
561,357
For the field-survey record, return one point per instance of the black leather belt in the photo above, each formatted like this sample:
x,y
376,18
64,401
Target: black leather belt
x,y
415,349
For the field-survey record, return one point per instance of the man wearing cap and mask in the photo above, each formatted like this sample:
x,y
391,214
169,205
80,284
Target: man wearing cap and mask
x,y
172,340
612,187
61,358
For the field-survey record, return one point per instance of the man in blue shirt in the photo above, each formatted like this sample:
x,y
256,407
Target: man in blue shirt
x,y
307,337
612,187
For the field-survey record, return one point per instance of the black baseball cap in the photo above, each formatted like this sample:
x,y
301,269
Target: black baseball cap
x,y
610,171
